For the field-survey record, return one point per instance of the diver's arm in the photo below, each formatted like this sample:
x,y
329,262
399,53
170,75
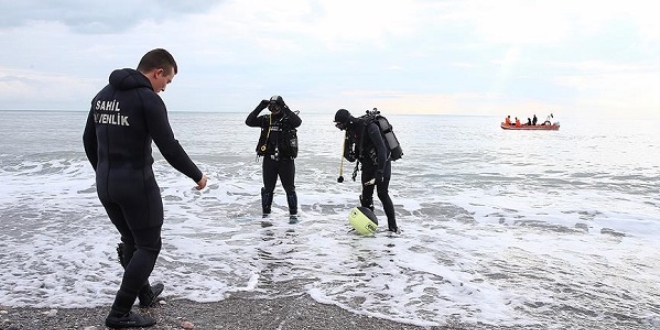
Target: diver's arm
x,y
253,119
89,140
161,133
294,120
377,140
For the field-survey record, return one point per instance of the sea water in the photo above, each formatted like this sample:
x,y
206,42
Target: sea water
x,y
540,229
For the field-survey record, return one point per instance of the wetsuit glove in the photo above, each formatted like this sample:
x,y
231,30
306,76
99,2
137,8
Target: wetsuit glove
x,y
379,176
263,104
376,180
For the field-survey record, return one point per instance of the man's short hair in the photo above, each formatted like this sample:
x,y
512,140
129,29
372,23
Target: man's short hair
x,y
157,58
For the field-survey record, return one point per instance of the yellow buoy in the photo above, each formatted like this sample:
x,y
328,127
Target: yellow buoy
x,y
363,220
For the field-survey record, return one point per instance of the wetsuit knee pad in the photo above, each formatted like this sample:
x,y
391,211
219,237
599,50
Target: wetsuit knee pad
x,y
265,194
148,240
153,249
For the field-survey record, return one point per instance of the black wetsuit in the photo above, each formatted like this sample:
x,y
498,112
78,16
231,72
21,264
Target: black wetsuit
x,y
278,158
124,118
373,154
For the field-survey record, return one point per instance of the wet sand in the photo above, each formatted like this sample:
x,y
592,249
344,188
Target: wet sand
x,y
238,312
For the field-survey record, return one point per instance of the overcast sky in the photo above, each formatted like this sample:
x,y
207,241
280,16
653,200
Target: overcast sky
x,y
574,57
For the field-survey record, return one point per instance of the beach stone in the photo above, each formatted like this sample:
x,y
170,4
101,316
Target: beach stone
x,y
582,226
90,328
609,231
187,325
51,313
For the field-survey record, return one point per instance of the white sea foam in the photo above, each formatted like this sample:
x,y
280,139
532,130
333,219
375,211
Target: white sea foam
x,y
492,234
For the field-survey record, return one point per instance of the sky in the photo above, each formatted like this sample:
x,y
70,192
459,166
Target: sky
x,y
482,57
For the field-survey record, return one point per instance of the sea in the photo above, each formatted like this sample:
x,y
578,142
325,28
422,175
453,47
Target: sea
x,y
500,229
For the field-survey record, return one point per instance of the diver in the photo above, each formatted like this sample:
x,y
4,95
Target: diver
x,y
125,117
374,155
278,145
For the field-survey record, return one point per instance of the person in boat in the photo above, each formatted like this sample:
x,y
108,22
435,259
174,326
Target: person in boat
x,y
548,120
517,122
534,120
529,121
507,120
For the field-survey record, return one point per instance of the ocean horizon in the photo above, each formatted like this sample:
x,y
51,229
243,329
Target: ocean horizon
x,y
540,113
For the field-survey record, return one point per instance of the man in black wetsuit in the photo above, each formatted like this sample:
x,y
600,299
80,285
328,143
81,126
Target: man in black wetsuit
x,y
278,144
125,116
371,151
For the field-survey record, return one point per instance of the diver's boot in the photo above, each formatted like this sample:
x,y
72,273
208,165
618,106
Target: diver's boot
x,y
129,320
367,202
266,202
391,224
149,294
394,229
120,315
292,200
394,232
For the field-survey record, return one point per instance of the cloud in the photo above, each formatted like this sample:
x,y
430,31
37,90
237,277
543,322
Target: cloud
x,y
616,93
412,55
551,22
299,25
84,16
40,89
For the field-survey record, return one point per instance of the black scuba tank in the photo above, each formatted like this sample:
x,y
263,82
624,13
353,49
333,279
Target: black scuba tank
x,y
392,142
386,131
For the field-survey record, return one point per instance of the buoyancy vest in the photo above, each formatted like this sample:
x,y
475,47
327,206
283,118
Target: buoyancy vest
x,y
350,147
278,137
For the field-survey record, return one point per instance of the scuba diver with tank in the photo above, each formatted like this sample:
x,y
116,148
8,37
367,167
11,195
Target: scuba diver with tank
x,y
278,145
369,141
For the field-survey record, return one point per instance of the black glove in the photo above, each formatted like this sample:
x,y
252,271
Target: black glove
x,y
120,254
263,104
379,177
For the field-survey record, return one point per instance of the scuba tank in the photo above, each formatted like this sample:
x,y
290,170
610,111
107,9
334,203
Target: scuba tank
x,y
390,138
386,131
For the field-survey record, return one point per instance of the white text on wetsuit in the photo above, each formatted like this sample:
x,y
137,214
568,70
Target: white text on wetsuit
x,y
113,117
